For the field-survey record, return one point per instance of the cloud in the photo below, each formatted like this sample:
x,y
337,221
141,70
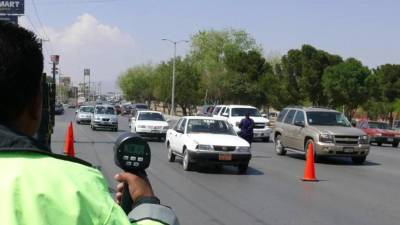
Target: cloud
x,y
87,43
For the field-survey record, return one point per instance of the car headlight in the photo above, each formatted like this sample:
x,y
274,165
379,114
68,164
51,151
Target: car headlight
x,y
142,126
165,127
397,135
327,138
114,119
97,118
363,139
378,134
243,149
204,147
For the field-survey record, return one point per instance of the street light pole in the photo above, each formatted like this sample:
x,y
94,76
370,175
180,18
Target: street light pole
x,y
173,83
173,74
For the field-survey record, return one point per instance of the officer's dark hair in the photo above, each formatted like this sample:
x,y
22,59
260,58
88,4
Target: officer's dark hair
x,y
21,68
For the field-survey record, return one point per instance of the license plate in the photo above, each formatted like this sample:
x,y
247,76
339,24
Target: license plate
x,y
390,139
348,150
225,157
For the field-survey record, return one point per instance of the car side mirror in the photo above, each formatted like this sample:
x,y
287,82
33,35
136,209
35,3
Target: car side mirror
x,y
264,115
225,114
299,123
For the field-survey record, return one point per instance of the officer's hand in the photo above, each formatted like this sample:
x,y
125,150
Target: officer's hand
x,y
138,187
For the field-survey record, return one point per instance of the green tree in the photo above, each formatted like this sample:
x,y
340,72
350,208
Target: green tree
x,y
186,83
345,85
209,51
136,83
303,70
384,85
244,82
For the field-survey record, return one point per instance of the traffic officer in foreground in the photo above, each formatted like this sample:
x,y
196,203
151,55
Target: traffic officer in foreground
x,y
38,187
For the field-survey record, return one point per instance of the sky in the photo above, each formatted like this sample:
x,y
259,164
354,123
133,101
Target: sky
x,y
109,36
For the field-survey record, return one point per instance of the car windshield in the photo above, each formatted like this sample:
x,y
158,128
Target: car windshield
x,y
209,126
242,112
151,116
87,109
105,110
216,110
141,106
327,119
377,125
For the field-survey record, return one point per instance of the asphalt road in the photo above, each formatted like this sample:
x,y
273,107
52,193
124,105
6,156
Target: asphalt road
x,y
270,193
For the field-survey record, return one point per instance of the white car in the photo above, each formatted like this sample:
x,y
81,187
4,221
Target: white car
x,y
84,114
207,140
235,113
148,123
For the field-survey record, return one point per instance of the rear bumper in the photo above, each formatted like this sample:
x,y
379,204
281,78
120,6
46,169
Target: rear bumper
x,y
213,158
329,149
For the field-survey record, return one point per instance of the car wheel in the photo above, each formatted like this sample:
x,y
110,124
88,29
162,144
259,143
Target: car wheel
x,y
379,143
395,144
358,159
266,139
171,155
311,141
280,150
243,168
187,165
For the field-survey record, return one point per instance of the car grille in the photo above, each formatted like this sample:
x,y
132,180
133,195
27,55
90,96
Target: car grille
x,y
224,148
259,125
104,119
348,140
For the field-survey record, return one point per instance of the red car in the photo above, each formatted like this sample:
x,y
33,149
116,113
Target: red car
x,y
379,133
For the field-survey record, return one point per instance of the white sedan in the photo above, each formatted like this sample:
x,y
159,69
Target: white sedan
x,y
207,140
148,123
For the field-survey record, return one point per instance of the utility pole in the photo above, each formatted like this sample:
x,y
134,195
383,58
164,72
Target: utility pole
x,y
173,74
86,72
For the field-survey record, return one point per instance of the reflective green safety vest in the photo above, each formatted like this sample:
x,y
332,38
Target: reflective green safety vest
x,y
38,189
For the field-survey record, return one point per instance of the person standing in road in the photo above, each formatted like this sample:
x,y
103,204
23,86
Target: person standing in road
x,y
246,128
39,187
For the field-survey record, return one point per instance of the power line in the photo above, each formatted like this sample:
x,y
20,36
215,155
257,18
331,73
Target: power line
x,y
41,24
36,31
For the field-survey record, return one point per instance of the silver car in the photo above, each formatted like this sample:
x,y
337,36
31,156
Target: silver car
x,y
329,131
84,114
104,116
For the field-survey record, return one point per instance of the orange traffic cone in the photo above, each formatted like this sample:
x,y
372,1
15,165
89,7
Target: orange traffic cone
x,y
69,142
309,170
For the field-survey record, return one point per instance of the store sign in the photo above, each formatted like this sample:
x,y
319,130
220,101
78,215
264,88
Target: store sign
x,y
10,19
12,7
